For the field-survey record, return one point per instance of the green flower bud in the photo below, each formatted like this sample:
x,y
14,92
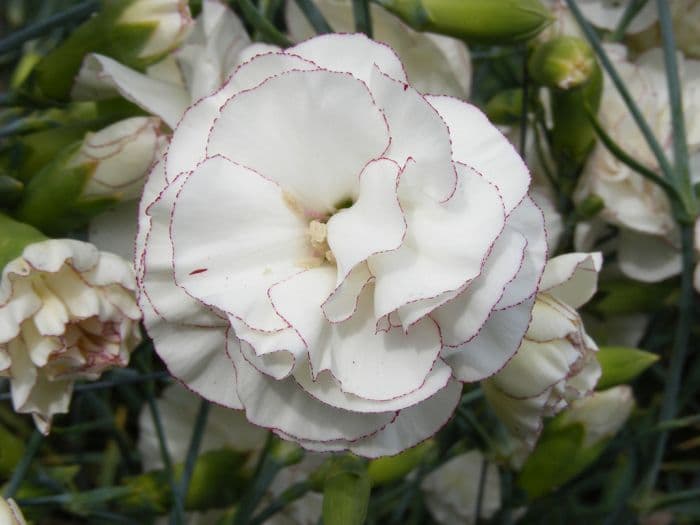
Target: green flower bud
x,y
14,237
505,107
500,22
590,207
565,62
392,468
88,176
346,489
134,32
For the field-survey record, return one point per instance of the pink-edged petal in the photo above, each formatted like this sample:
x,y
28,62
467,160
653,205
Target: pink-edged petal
x,y
526,219
326,389
100,74
246,236
522,417
189,144
195,355
462,318
283,406
412,425
342,303
381,365
373,224
572,278
158,291
277,365
115,229
647,258
284,340
23,305
478,143
419,133
354,54
494,345
446,243
296,115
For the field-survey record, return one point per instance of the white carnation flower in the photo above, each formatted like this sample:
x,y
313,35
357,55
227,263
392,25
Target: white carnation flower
x,y
434,64
451,490
67,312
334,252
556,361
10,513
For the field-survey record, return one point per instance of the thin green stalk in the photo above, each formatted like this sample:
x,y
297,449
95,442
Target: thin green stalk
x,y
314,16
633,8
262,24
363,17
193,450
265,472
74,14
23,466
678,354
480,493
104,411
290,495
639,119
680,147
627,159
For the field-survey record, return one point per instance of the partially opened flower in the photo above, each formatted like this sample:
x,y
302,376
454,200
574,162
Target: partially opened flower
x,y
434,63
332,251
207,57
67,312
556,361
452,489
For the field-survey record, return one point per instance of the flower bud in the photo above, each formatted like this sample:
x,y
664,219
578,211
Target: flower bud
x,y
499,22
393,468
10,513
87,177
134,32
505,107
590,207
564,62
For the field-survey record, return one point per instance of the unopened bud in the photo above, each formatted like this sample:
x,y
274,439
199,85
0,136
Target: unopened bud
x,y
564,62
505,107
590,207
500,22
392,468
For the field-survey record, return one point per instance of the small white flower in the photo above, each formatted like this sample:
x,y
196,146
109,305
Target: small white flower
x,y
434,64
67,312
10,513
556,361
452,489
353,247
171,19
602,414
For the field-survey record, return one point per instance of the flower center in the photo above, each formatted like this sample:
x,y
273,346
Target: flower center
x,y
318,237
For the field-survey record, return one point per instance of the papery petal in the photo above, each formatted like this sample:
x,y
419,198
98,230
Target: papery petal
x,y
478,143
572,278
115,229
315,160
247,239
354,54
342,303
429,263
493,346
647,258
100,76
373,224
303,417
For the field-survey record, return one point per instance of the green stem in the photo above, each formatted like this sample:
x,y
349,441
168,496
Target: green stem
x,y
680,147
314,16
193,450
262,24
480,493
74,14
634,110
293,493
23,466
631,11
363,17
678,355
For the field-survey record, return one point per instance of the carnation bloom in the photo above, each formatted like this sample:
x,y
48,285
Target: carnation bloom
x,y
556,361
451,490
334,252
648,242
67,312
434,64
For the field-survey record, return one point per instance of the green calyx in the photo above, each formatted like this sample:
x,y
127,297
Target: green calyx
x,y
500,22
565,62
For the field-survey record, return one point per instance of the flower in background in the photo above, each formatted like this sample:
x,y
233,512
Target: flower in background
x,y
451,490
648,241
556,361
352,255
67,312
216,45
224,429
10,514
434,63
